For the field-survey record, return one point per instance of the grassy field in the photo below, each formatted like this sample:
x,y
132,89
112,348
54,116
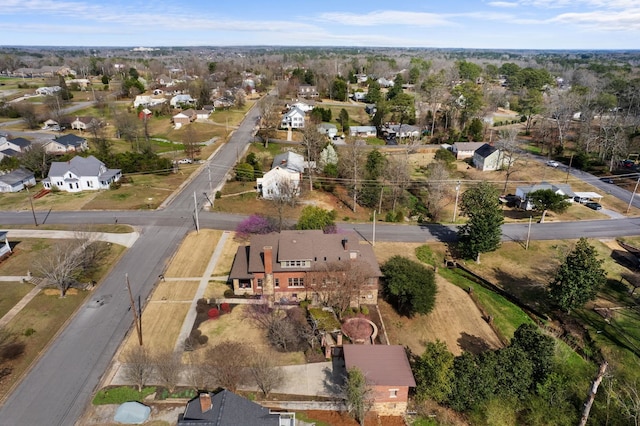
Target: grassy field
x,y
147,191
194,254
47,313
12,292
25,253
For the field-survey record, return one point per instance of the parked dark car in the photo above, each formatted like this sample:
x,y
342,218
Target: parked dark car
x,y
607,180
594,206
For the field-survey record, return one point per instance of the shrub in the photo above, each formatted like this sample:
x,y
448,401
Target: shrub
x,y
225,307
12,350
195,333
228,293
364,310
256,224
115,185
203,339
29,331
201,309
202,301
218,195
213,313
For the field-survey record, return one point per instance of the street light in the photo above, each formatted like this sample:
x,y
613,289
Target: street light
x,y
455,206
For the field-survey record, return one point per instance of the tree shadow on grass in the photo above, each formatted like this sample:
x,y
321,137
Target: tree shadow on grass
x,y
472,344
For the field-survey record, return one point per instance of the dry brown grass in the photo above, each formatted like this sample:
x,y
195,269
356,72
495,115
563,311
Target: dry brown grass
x,y
194,254
227,327
225,261
25,253
182,291
454,320
161,324
244,200
215,290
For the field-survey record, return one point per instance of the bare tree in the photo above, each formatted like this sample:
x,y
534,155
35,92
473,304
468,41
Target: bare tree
x,y
62,265
128,128
138,366
398,176
350,165
195,372
265,373
169,368
562,107
313,142
438,189
28,113
240,98
270,120
512,155
191,146
285,198
36,159
226,363
341,283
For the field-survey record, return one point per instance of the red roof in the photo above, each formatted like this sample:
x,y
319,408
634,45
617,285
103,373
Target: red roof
x,y
382,365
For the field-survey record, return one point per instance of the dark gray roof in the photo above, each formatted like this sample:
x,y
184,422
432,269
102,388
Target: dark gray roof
x,y
16,176
89,166
21,142
382,365
290,161
227,409
485,150
70,140
9,152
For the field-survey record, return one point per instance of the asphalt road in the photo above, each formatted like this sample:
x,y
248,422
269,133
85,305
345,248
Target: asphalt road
x,y
58,387
60,384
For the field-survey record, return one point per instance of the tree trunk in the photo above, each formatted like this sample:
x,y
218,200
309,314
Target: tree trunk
x,y
544,213
592,394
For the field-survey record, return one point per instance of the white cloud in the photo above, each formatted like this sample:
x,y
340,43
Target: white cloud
x,y
628,20
502,4
386,17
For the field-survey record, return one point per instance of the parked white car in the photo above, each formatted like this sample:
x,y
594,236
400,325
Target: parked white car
x,y
552,163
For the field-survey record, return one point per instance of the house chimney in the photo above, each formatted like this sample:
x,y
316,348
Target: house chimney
x,y
268,260
345,243
205,402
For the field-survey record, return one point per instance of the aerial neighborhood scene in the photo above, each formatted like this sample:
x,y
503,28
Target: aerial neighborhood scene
x,y
216,213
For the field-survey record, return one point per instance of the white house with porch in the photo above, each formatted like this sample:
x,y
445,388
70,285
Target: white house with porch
x,y
279,182
80,174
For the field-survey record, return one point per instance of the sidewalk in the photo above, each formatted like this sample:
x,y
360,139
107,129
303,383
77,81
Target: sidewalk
x,y
124,239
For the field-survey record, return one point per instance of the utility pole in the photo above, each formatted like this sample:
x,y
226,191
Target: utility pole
x,y
137,319
455,206
633,195
35,220
374,228
195,208
569,169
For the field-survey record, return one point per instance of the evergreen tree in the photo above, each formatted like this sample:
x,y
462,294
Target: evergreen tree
x,y
578,278
482,233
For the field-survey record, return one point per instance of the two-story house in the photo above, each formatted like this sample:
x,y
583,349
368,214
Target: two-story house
x,y
80,174
293,265
293,119
308,91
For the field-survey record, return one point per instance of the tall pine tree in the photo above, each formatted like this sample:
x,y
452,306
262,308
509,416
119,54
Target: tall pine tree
x,y
482,233
578,279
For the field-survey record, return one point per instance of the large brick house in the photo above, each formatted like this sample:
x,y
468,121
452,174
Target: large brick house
x,y
296,265
387,372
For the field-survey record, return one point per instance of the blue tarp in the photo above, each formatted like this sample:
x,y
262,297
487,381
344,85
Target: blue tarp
x,y
132,413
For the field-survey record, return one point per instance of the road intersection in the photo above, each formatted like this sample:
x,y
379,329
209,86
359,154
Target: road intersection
x,y
60,384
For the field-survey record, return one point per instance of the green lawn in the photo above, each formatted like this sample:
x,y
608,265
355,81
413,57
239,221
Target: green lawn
x,y
507,317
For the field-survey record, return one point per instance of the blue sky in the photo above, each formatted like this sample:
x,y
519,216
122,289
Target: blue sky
x,y
506,24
